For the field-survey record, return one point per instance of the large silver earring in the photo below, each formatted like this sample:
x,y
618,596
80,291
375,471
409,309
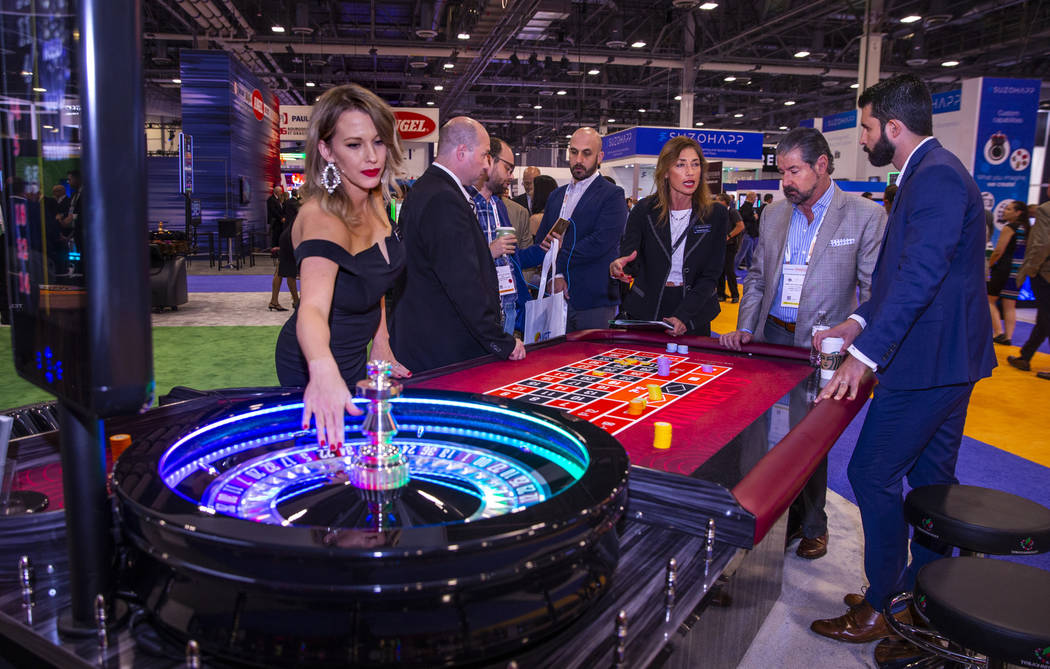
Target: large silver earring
x,y
330,178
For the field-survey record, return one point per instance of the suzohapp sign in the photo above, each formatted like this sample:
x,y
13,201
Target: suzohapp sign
x,y
646,141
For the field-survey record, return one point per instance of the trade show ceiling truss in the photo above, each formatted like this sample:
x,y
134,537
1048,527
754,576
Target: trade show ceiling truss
x,y
533,69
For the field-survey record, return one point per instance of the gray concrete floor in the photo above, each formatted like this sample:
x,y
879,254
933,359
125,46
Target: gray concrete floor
x,y
814,589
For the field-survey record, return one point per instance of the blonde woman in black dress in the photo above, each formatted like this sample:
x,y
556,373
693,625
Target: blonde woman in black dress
x,y
348,255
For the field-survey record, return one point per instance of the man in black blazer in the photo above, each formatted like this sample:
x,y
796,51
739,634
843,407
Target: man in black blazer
x,y
275,212
527,179
449,310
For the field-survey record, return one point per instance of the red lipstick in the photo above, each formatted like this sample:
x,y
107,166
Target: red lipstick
x,y
370,173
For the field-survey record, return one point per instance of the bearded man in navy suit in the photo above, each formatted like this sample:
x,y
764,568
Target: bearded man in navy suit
x,y
597,213
925,333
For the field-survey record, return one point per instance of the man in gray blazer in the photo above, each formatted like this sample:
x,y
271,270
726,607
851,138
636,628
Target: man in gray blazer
x,y
815,250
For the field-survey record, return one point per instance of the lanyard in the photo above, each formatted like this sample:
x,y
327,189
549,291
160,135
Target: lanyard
x,y
812,243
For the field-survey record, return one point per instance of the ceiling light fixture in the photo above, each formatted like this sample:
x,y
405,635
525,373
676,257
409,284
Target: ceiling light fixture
x,y
730,78
708,6
783,127
448,66
641,110
310,84
563,92
463,36
912,18
439,87
430,103
947,63
37,89
801,54
611,120
699,123
678,97
738,115
176,81
638,45
537,106
593,71
277,29
854,85
519,117
788,103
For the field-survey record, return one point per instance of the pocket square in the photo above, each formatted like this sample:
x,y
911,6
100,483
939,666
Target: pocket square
x,y
843,242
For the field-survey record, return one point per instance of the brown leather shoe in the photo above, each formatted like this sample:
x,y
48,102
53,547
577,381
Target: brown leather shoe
x,y
814,548
860,624
895,650
852,599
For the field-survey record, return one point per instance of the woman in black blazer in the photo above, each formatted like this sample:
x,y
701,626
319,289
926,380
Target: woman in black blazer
x,y
673,248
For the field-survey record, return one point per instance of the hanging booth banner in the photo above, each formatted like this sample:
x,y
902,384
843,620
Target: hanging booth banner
x,y
1005,140
645,141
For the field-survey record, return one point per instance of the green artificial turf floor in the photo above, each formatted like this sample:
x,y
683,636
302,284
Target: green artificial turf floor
x,y
197,357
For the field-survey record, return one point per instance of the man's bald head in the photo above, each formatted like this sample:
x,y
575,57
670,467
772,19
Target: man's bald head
x,y
528,176
463,147
585,153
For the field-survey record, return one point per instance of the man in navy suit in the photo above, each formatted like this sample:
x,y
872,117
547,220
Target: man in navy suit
x,y
597,213
449,310
925,333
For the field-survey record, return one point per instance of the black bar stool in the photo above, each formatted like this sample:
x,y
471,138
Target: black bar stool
x,y
981,613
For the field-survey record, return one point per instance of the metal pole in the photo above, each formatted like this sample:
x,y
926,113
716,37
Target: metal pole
x,y
88,517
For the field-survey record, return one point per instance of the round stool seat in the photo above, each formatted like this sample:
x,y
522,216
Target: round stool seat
x,y
995,607
981,520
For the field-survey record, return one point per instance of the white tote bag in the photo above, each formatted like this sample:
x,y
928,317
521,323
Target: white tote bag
x,y
545,316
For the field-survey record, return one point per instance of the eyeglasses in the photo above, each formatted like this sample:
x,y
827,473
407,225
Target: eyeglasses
x,y
510,165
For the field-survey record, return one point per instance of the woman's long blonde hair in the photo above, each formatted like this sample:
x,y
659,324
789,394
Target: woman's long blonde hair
x,y
668,157
323,118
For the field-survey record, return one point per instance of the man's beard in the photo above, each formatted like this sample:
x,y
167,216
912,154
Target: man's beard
x,y
497,186
882,153
795,196
584,172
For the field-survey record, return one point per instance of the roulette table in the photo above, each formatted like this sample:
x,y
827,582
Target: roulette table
x,y
540,525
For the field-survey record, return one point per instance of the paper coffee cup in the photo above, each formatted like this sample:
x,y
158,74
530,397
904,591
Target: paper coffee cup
x,y
830,358
504,231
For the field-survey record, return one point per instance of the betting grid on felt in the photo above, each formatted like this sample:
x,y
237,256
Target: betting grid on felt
x,y
599,388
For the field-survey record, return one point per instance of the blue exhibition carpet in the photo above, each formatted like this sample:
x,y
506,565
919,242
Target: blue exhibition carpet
x,y
229,283
979,464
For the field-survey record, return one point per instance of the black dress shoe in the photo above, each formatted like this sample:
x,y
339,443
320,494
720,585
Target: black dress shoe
x,y
1043,375
1001,339
1019,362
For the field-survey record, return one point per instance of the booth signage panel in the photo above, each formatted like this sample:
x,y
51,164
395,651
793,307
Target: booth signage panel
x,y
185,163
295,119
645,141
1005,140
620,144
417,124
949,101
840,121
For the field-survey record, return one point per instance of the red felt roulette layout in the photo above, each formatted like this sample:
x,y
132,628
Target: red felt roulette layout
x,y
705,418
600,388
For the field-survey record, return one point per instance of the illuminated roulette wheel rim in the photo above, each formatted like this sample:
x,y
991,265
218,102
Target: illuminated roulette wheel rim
x,y
245,536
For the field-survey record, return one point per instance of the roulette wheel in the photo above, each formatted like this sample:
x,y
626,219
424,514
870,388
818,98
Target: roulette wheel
x,y
449,528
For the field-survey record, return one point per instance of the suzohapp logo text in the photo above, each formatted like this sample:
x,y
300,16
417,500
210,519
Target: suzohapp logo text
x,y
1013,90
710,137
618,139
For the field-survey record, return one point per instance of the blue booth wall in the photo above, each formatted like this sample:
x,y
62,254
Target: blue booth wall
x,y
163,200
232,117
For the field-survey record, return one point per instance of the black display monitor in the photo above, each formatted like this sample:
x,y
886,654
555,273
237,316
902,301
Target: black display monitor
x,y
77,271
